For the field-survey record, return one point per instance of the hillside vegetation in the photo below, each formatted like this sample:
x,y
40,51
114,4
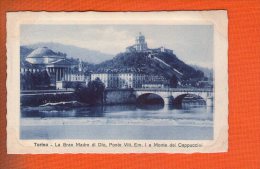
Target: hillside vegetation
x,y
162,63
156,63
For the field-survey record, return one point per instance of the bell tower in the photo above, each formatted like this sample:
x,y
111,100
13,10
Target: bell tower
x,y
80,66
140,44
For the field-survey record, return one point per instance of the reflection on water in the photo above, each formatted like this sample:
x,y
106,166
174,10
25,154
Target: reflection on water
x,y
151,106
159,122
122,111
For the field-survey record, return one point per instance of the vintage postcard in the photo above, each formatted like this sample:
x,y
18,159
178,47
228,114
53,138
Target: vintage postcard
x,y
117,82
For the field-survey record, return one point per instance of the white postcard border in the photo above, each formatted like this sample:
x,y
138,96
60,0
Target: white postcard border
x,y
216,17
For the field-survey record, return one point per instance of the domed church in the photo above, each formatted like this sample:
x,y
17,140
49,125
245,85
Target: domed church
x,y
44,55
56,64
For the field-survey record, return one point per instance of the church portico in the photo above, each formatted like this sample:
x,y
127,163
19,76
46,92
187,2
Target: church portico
x,y
59,73
56,65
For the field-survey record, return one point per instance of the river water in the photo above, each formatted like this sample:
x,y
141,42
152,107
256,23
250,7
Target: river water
x,y
128,122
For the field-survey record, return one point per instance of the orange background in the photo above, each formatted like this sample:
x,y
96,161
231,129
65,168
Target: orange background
x,y
244,89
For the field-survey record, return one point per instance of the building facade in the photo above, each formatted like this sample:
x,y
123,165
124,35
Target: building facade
x,y
125,80
152,85
57,66
102,76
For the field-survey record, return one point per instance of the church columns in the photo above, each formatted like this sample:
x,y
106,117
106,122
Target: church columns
x,y
58,69
65,74
56,73
69,74
61,73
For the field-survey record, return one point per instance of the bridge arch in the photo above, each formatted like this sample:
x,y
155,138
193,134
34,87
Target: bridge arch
x,y
150,99
190,99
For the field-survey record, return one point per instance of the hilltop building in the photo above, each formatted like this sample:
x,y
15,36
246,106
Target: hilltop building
x,y
141,46
133,78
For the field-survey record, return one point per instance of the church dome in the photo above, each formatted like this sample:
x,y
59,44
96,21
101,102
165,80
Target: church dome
x,y
43,55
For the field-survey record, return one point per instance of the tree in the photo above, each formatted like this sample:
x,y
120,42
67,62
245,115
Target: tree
x,y
91,94
96,89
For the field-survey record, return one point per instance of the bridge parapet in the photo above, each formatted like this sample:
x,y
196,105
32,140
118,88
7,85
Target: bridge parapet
x,y
163,89
175,89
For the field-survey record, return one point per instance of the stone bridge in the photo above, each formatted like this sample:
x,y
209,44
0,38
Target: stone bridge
x,y
117,96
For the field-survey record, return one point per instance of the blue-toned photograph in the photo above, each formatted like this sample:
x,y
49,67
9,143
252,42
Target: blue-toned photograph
x,y
116,82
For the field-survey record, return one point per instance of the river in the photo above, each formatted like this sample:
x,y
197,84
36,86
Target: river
x,y
120,122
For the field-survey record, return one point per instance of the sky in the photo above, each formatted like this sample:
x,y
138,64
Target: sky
x,y
191,43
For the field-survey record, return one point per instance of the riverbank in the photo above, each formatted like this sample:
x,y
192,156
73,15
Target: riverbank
x,y
41,99
114,121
